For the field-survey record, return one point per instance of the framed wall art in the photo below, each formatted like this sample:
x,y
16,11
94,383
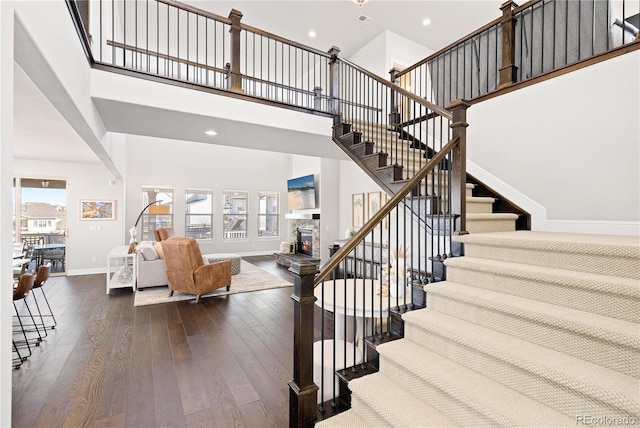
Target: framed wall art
x,y
374,202
357,209
97,209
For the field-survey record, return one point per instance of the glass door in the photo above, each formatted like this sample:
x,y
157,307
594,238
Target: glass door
x,y
40,221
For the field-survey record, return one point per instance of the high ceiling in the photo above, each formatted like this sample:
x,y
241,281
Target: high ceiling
x,y
42,133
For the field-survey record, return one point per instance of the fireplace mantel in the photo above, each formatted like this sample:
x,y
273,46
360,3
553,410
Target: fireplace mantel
x,y
302,216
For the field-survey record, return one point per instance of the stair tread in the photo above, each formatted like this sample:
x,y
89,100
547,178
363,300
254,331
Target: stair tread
x,y
491,216
346,419
499,403
626,246
619,389
616,255
403,410
480,200
586,323
608,283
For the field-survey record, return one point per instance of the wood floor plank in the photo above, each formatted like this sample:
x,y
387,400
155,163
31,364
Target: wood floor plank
x,y
118,370
201,419
224,409
257,415
223,362
192,389
166,393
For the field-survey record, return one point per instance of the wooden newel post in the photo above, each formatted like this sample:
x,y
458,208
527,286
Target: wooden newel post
x,y
508,71
394,115
334,81
234,76
459,164
303,393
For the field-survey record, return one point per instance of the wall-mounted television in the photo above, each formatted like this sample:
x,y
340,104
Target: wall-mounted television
x,y
302,193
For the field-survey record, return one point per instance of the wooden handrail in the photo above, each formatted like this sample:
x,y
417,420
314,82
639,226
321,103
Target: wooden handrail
x,y
383,212
284,40
164,56
413,97
198,11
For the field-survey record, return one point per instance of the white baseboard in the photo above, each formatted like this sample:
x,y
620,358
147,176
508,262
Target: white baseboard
x,y
93,271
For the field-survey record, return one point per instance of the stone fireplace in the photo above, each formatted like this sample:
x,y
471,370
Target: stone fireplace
x,y
310,231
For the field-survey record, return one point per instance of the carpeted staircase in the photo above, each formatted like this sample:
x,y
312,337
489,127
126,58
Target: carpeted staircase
x,y
530,329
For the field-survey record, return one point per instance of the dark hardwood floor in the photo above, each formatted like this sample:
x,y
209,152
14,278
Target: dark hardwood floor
x,y
224,362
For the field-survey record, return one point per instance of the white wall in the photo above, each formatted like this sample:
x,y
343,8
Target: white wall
x,y
52,57
6,235
354,180
155,162
569,148
86,239
386,50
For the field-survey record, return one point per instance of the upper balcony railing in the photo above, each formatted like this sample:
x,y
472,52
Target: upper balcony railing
x,y
528,41
170,40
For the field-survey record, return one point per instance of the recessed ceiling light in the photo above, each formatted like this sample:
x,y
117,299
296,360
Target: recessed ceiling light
x,y
312,34
210,132
426,22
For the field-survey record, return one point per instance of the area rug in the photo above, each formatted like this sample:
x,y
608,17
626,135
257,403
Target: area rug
x,y
250,278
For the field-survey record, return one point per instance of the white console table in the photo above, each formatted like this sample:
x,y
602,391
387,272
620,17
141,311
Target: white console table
x,y
115,260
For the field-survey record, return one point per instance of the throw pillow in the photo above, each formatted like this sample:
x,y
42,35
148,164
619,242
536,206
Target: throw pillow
x,y
148,251
158,246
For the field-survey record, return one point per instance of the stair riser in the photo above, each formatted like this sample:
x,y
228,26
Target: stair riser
x,y
362,149
515,374
368,414
576,342
374,162
452,407
615,266
603,302
490,225
479,207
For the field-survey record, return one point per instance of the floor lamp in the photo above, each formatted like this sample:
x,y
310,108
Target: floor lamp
x,y
133,230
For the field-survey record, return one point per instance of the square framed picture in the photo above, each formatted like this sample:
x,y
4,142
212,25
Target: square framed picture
x,y
97,209
357,209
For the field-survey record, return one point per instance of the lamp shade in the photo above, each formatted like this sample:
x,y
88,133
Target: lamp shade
x,y
159,209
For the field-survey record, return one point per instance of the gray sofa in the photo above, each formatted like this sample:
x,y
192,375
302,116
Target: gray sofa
x,y
151,269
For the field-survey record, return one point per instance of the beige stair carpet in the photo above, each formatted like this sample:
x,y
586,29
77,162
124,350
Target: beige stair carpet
x,y
530,329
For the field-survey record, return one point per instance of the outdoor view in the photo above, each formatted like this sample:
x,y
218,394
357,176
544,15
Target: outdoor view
x,y
40,223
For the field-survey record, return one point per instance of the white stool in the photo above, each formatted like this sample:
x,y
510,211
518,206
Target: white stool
x,y
324,364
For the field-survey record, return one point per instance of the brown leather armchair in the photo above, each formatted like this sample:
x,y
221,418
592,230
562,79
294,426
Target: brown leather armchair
x,y
163,233
187,272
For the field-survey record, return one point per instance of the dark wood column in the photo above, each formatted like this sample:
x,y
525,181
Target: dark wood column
x,y
234,77
303,393
459,163
508,71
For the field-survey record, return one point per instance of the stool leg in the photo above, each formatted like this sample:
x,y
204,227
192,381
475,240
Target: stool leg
x,y
55,322
24,334
33,323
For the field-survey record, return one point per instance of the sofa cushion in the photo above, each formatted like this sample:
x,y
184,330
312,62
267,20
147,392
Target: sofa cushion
x,y
147,250
158,246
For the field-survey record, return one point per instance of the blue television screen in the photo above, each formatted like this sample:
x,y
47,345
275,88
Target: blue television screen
x,y
301,193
